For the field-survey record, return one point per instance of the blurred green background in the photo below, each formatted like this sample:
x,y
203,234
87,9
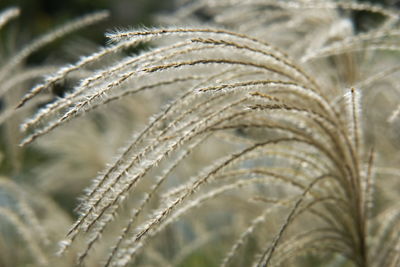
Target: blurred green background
x,y
39,16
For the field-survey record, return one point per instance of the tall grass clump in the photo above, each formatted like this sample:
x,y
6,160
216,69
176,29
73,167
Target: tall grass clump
x,y
30,220
272,141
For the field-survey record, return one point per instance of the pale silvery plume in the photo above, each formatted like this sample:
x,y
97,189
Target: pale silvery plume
x,y
29,219
277,106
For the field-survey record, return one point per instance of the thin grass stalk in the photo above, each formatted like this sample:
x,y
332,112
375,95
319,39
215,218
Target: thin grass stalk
x,y
267,254
50,37
7,15
30,241
153,190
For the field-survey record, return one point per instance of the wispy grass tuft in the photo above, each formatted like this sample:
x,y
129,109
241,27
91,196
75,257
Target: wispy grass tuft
x,y
266,132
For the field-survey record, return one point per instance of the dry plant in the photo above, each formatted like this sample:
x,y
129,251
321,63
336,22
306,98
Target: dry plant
x,y
30,220
276,138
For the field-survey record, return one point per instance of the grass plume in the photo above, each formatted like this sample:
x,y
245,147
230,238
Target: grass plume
x,y
269,128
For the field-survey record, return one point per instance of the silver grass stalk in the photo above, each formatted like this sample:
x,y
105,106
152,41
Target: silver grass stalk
x,y
296,133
